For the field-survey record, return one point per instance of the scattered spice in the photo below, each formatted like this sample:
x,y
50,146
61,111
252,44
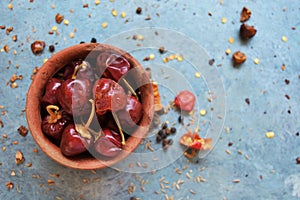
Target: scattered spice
x,y
14,38
9,185
104,24
298,160
2,27
161,50
59,18
19,158
123,14
66,22
287,81
230,40
37,46
51,48
245,14
228,51
284,38
86,5
239,57
283,67
10,6
287,96
211,61
247,31
8,30
93,40
247,100
6,48
23,130
270,134
223,20
256,61
236,181
138,10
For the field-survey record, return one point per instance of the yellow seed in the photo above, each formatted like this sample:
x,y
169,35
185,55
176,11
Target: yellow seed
x,y
231,40
180,58
71,35
54,28
10,6
197,74
104,25
66,22
166,59
114,12
151,56
45,60
140,37
123,14
284,38
256,61
172,57
52,6
228,51
270,134
223,20
97,2
202,112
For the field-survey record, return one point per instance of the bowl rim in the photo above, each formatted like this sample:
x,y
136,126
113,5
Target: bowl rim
x,y
33,114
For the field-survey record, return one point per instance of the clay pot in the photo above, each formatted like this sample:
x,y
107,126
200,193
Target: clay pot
x,y
35,92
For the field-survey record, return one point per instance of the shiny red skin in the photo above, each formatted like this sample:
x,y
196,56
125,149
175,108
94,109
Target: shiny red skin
x,y
49,97
108,96
112,65
185,101
109,144
83,73
55,130
72,143
73,96
131,115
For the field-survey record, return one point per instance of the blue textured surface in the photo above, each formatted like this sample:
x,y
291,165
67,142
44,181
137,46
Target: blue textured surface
x,y
269,173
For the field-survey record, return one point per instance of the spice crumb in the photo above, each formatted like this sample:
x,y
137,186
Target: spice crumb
x,y
230,40
19,158
256,61
104,24
284,38
197,74
270,134
9,185
138,10
298,160
10,6
228,51
223,20
236,181
123,14
97,2
23,130
245,14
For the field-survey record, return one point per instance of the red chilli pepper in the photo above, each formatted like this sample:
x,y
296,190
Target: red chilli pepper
x,y
195,143
185,100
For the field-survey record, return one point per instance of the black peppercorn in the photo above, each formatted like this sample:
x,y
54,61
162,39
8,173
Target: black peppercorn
x,y
93,40
158,138
51,48
138,10
180,119
164,125
173,130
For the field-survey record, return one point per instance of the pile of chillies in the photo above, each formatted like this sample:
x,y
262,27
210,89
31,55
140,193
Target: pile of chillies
x,y
93,94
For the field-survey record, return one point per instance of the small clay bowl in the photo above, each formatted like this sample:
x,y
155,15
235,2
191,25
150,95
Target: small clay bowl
x,y
36,90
